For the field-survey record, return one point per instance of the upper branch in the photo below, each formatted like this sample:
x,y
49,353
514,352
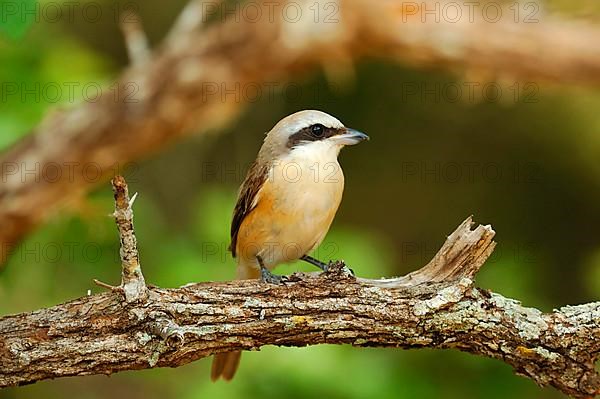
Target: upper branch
x,y
177,89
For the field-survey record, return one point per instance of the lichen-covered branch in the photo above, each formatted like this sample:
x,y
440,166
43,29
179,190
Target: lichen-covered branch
x,y
436,307
186,84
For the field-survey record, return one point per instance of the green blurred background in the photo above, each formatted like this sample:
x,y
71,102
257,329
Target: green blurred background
x,y
526,162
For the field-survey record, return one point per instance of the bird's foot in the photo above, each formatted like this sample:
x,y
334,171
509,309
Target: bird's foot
x,y
333,266
267,277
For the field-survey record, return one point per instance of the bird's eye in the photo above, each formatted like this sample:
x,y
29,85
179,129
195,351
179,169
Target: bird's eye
x,y
317,130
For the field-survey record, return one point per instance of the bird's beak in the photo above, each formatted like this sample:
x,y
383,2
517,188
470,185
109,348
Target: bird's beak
x,y
349,137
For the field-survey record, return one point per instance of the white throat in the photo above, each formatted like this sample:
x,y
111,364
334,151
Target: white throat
x,y
316,151
310,164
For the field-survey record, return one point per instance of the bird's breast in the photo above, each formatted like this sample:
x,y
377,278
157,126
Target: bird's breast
x,y
306,187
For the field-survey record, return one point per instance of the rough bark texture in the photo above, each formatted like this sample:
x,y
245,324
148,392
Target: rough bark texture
x,y
183,85
133,284
435,307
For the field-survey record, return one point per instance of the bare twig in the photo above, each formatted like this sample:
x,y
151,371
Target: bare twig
x,y
192,18
107,286
132,279
133,285
136,41
179,89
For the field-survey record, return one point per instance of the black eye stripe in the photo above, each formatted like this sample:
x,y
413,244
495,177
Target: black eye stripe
x,y
308,134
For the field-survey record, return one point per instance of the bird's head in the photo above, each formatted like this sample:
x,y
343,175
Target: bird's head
x,y
307,131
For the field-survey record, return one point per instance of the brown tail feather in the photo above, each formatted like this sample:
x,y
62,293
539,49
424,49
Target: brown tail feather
x,y
225,365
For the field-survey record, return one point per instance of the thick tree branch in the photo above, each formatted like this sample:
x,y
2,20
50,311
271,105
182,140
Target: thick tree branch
x,y
435,307
183,86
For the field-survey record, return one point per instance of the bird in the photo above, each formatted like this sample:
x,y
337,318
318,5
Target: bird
x,y
287,202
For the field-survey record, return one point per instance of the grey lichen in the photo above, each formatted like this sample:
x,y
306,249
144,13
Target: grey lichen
x,y
443,298
143,337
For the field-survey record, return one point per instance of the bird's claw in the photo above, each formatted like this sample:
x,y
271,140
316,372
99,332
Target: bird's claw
x,y
267,277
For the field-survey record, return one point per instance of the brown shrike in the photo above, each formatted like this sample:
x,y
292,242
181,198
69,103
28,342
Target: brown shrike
x,y
287,202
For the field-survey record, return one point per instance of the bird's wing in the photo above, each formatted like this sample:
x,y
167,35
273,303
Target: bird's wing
x,y
247,199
